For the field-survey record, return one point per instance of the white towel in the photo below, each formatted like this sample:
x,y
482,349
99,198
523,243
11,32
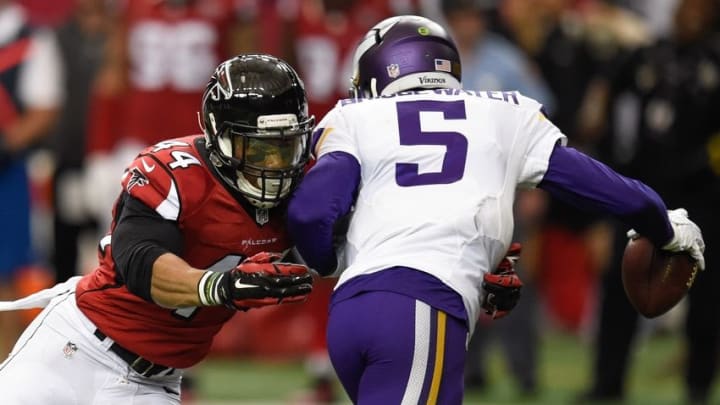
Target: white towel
x,y
40,299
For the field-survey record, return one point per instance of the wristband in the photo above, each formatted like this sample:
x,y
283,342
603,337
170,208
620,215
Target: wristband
x,y
209,288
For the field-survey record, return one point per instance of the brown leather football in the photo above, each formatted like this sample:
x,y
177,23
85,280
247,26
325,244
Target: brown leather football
x,y
655,280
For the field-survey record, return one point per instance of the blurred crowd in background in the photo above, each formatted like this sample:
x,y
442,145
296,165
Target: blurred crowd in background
x,y
86,84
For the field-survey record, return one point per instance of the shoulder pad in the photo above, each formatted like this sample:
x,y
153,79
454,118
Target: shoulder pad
x,y
159,174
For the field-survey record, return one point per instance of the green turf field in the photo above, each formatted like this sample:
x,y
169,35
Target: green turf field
x,y
655,377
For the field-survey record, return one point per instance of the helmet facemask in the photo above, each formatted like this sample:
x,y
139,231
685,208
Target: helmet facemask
x,y
266,162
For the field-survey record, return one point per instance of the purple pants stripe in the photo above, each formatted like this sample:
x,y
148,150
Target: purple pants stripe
x,y
388,348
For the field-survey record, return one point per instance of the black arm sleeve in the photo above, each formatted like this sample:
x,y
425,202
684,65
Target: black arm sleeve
x,y
140,236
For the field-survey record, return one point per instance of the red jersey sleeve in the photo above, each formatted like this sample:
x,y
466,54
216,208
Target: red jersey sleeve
x,y
157,175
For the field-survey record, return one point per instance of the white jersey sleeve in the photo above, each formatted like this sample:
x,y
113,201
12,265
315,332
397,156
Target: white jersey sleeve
x,y
335,135
539,137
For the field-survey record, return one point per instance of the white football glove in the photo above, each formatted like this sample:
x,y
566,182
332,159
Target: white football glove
x,y
687,238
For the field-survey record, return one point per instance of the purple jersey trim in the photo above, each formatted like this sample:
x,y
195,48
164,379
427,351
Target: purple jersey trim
x,y
406,281
317,133
323,197
582,181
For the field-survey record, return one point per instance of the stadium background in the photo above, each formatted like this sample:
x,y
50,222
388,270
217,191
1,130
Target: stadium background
x,y
266,356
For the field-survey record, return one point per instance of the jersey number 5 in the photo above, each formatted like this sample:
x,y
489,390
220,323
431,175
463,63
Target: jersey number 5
x,y
453,166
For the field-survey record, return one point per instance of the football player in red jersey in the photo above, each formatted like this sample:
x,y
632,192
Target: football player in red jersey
x,y
188,247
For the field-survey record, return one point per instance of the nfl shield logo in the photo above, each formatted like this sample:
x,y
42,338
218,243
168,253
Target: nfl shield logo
x,y
69,349
393,70
262,216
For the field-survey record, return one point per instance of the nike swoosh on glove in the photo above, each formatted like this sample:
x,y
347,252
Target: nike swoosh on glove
x,y
258,281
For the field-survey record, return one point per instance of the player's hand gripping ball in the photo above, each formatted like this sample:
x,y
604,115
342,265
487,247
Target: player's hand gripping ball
x,y
655,280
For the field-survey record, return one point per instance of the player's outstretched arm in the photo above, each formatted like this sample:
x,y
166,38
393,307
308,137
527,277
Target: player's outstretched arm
x,y
174,282
146,249
256,282
586,183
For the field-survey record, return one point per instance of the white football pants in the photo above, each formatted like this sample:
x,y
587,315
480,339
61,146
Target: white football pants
x,y
59,361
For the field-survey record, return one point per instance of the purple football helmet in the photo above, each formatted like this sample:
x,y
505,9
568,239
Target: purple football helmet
x,y
402,53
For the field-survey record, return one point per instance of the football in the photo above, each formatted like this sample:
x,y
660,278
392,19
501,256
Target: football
x,y
655,280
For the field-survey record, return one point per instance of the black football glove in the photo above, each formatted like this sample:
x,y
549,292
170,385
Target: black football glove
x,y
502,287
256,282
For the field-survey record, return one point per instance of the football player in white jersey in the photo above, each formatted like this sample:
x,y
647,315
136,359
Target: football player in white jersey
x,y
426,173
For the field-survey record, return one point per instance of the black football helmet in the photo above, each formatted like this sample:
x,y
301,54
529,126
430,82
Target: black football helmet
x,y
257,127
